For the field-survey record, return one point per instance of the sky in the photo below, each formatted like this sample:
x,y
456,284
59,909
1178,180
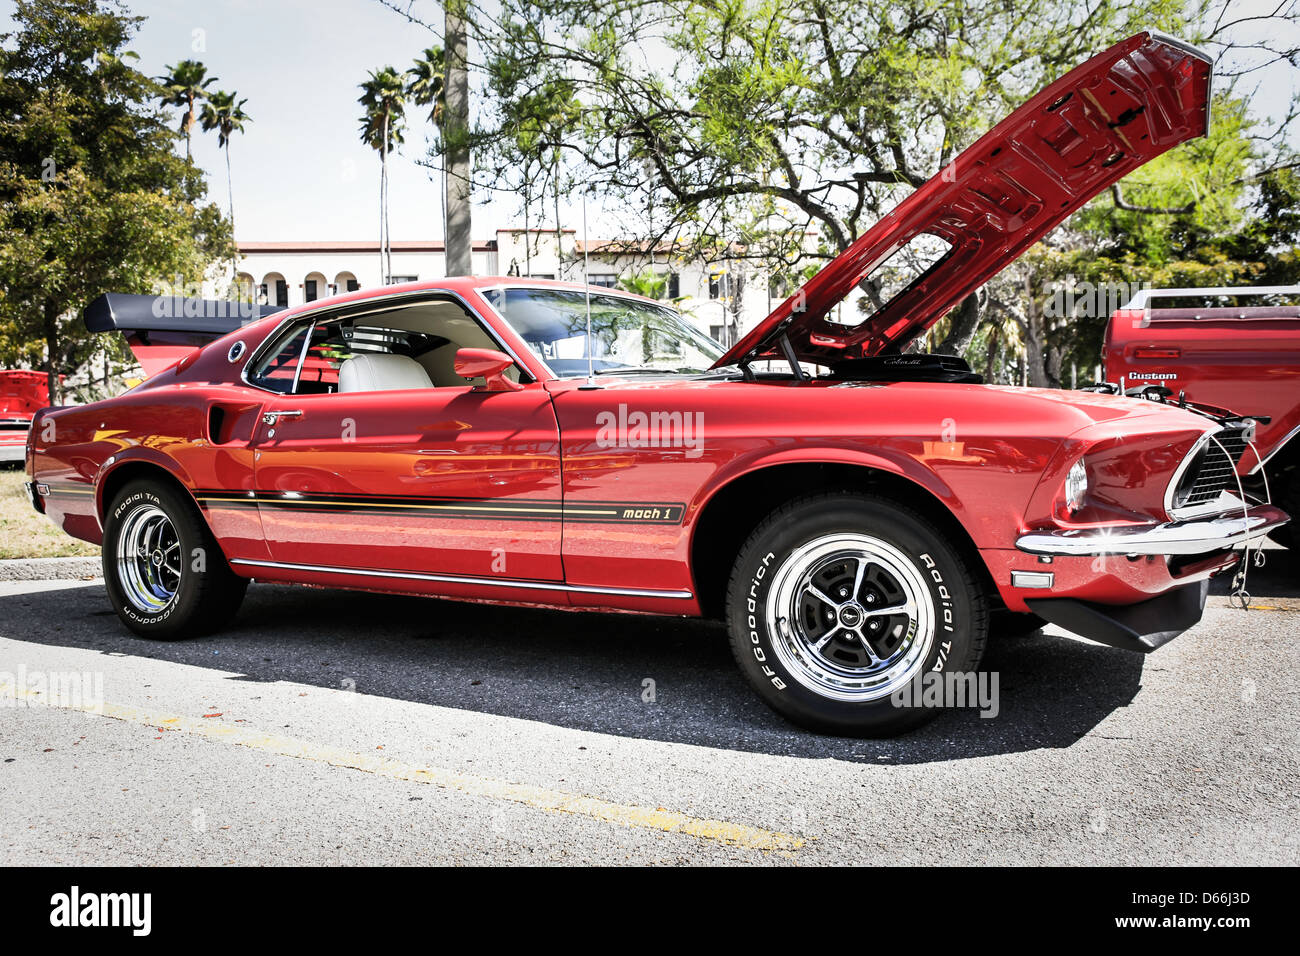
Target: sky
x,y
300,171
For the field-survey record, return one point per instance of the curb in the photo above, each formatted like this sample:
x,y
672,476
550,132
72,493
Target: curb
x,y
50,569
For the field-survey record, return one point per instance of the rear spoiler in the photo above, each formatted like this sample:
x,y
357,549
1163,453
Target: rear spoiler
x,y
122,312
162,329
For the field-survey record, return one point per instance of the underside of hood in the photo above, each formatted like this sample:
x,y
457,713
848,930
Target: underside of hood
x,y
1073,139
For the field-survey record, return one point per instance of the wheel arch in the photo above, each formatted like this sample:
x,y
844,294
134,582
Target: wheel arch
x,y
734,509
131,468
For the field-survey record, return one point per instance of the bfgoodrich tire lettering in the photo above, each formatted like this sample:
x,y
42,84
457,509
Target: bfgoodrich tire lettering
x,y
839,604
163,570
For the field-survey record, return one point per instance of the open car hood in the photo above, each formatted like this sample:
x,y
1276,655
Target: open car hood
x,y
1073,139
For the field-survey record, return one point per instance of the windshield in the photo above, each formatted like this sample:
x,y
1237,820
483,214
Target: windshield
x,y
628,335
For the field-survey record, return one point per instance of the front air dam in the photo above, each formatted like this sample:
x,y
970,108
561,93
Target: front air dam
x,y
1135,627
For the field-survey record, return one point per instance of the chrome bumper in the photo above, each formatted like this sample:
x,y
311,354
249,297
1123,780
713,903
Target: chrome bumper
x,y
1175,538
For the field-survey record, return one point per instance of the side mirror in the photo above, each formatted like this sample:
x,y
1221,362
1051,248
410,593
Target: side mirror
x,y
490,365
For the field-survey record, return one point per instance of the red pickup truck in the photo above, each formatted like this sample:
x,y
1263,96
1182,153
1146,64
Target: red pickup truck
x,y
22,395
1233,348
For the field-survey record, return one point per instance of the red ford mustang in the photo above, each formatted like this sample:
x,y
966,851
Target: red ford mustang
x,y
857,515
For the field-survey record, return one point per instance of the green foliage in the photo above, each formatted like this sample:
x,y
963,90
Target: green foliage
x,y
426,83
1181,200
185,85
383,123
224,114
792,114
732,128
383,99
651,283
92,196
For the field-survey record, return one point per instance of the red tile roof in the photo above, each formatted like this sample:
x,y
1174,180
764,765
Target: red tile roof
x,y
364,245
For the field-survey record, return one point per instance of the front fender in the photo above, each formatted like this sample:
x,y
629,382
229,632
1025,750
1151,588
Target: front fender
x,y
890,461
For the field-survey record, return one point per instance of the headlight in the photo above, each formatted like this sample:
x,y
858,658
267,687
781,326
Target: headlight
x,y
1076,486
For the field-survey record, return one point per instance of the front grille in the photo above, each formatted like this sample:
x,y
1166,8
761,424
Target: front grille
x,y
1212,470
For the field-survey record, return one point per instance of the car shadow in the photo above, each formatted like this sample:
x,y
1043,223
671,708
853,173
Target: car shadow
x,y
584,671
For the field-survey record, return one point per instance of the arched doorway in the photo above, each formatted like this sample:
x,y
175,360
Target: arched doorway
x,y
274,290
313,287
345,282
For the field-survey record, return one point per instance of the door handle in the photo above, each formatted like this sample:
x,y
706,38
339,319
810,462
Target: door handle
x,y
270,418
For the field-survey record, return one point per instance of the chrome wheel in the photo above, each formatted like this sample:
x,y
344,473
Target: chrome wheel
x,y
854,618
149,559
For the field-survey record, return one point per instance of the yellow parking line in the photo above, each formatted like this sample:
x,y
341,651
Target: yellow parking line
x,y
1259,607
541,798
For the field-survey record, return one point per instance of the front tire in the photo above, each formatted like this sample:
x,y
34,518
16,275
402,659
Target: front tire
x,y
163,570
839,605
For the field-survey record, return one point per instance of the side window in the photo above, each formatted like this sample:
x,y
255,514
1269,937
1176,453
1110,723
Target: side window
x,y
310,356
276,371
369,349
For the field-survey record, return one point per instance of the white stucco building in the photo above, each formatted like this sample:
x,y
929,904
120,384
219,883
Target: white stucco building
x,y
725,299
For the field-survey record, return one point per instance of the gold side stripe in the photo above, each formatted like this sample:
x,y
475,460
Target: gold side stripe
x,y
440,506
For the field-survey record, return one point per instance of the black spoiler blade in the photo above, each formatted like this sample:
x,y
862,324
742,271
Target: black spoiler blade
x,y
123,312
162,329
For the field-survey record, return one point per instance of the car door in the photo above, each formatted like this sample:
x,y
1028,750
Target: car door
x,y
445,479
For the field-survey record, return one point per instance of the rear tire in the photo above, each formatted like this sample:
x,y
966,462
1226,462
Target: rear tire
x,y
163,570
805,617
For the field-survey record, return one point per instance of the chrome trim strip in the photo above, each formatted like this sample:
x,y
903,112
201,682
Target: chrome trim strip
x,y
302,357
1174,538
459,579
1212,507
1141,297
1172,488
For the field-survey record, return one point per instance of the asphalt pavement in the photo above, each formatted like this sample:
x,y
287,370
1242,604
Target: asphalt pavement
x,y
328,727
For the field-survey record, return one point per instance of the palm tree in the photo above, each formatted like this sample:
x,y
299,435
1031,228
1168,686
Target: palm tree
x,y
227,117
383,98
456,139
184,85
426,85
